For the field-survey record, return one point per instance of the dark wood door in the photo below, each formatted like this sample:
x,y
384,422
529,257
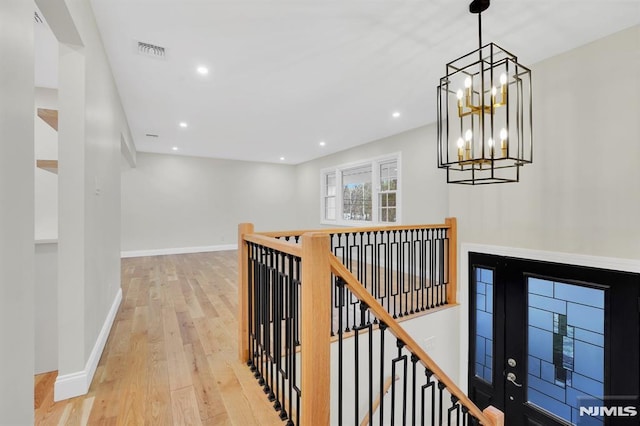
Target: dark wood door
x,y
554,344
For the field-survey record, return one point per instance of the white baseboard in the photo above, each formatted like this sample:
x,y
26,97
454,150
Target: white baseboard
x,y
76,384
177,250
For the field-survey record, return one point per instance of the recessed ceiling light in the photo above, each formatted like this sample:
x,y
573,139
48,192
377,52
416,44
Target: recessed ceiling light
x,y
202,70
322,143
183,124
395,114
175,148
281,158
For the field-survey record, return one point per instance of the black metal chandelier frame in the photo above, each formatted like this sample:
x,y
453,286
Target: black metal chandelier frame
x,y
473,119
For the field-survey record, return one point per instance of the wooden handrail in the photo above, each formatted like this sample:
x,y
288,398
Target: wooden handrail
x,y
361,293
297,233
280,245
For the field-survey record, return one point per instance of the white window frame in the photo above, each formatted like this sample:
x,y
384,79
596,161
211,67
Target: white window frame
x,y
375,198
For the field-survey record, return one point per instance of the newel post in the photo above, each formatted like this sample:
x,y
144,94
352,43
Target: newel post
x,y
452,257
495,415
243,292
315,330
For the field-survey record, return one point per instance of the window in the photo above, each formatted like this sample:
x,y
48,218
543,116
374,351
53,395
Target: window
x,y
388,189
366,192
330,196
356,193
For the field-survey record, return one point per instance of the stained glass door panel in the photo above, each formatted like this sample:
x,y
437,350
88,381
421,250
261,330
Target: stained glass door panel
x,y
565,343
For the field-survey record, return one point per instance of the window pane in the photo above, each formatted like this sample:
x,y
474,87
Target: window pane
x,y
330,208
560,316
392,199
330,184
329,189
356,193
484,324
388,187
392,215
389,176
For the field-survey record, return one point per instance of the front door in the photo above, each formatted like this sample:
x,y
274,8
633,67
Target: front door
x,y
554,344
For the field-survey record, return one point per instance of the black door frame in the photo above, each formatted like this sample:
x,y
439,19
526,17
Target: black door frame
x,y
507,268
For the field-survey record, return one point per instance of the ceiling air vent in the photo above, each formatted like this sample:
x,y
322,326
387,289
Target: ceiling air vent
x,y
151,50
37,18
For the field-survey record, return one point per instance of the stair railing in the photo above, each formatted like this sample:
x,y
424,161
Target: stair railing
x,y
408,269
288,293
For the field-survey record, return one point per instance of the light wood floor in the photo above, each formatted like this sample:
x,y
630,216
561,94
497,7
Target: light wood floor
x,y
171,357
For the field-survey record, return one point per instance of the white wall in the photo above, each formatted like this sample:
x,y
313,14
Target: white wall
x,y
91,123
46,307
16,212
174,202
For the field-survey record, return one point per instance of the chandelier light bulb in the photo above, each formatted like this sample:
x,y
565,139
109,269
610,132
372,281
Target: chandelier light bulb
x,y
491,143
467,82
503,134
503,79
459,94
494,91
468,135
460,142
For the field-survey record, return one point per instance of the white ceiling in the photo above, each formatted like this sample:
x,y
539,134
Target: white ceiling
x,y
287,74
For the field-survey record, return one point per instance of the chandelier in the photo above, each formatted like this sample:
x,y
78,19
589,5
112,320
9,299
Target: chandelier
x,y
484,114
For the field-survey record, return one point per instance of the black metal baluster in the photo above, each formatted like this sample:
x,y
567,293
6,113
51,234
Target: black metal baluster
x,y
422,268
268,328
454,409
396,360
284,414
278,323
429,385
370,332
441,271
356,372
440,402
375,276
390,275
395,269
445,263
414,360
383,328
250,295
261,327
295,341
403,274
432,266
411,272
340,289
